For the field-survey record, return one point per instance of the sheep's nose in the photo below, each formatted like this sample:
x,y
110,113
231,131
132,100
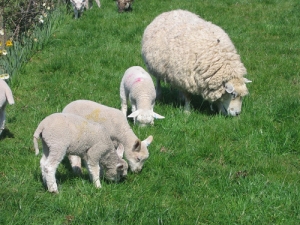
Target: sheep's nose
x,y
237,113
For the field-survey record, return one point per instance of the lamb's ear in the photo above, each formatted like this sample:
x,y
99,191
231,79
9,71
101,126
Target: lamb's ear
x,y
120,151
157,116
148,140
134,114
229,88
137,146
120,166
247,81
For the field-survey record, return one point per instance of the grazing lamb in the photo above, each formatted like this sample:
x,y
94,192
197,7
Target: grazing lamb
x,y
124,5
197,57
79,5
138,87
64,133
118,129
6,96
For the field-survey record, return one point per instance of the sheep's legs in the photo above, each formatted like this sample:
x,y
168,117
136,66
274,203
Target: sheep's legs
x,y
94,172
48,171
75,163
2,120
158,88
123,97
187,102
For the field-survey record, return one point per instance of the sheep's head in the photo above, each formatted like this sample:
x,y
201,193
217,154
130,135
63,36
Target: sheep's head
x,y
144,117
231,102
78,4
138,154
124,5
119,170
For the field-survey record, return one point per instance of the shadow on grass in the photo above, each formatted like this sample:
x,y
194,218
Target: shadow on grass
x,y
171,96
6,134
69,175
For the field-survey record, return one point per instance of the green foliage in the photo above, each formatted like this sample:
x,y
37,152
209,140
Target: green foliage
x,y
203,168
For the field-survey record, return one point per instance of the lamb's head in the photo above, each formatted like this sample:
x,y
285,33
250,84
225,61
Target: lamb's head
x,y
119,168
144,117
138,155
231,102
78,4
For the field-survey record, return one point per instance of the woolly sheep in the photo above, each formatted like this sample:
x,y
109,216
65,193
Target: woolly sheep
x,y
79,5
117,127
6,96
197,57
138,87
124,5
63,133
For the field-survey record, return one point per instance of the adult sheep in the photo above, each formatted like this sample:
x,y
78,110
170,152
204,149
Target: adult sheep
x,y
197,57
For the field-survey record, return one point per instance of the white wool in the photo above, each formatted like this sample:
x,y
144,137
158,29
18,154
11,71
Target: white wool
x,y
116,124
6,96
137,87
64,133
195,56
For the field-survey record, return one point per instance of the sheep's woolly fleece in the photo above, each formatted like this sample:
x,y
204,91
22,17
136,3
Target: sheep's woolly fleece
x,y
192,54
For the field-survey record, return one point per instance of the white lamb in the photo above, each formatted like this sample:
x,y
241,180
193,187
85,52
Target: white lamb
x,y
79,5
64,133
6,96
118,129
138,87
197,57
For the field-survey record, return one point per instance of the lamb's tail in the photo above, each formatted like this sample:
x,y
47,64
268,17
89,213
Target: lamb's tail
x,y
36,137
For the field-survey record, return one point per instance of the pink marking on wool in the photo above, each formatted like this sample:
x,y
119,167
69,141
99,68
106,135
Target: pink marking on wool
x,y
137,80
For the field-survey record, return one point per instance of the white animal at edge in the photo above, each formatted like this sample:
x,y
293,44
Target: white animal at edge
x,y
6,96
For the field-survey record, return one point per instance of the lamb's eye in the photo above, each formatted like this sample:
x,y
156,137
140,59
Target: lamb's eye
x,y
138,159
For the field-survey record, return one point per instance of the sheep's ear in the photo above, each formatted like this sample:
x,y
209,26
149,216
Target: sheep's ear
x,y
120,151
229,88
120,166
134,114
137,146
148,140
247,81
157,116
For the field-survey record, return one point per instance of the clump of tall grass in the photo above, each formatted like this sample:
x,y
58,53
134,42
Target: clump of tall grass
x,y
21,45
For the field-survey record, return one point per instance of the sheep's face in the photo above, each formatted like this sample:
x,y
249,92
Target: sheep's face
x,y
145,117
231,102
78,4
139,154
115,173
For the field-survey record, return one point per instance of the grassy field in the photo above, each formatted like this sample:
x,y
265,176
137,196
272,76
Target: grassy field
x,y
203,168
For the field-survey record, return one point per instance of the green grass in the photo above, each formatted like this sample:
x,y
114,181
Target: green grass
x,y
203,168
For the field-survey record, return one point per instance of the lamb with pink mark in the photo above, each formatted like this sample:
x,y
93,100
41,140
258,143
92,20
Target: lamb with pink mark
x,y
138,87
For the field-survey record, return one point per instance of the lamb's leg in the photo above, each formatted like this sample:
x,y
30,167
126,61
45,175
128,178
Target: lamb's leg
x,y
2,120
94,172
76,164
49,168
123,97
158,88
98,3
